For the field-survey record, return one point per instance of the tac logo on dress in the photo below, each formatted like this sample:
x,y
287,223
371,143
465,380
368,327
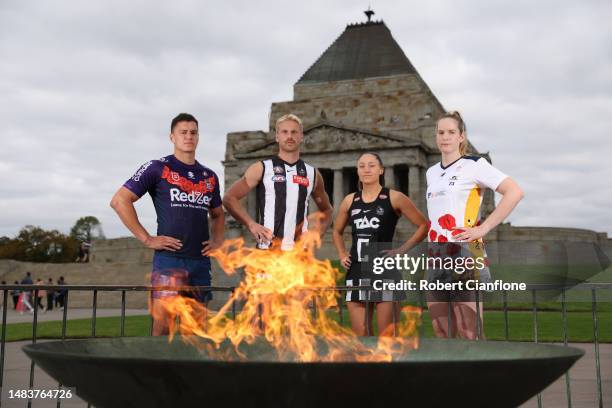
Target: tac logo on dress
x,y
365,222
278,169
190,175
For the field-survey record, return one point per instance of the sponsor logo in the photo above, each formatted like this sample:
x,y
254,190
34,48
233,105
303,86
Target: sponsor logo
x,y
190,175
363,223
443,173
163,159
141,170
195,197
436,194
188,186
383,196
357,199
278,178
302,181
278,169
356,211
379,210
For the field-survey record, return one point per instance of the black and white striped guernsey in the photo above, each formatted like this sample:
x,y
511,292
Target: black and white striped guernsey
x,y
282,198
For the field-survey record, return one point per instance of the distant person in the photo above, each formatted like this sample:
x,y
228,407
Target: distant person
x,y
454,195
26,294
41,294
61,293
15,294
50,295
27,280
186,197
23,302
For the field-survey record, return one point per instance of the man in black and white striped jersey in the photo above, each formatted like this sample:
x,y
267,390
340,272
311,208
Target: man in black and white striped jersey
x,y
284,184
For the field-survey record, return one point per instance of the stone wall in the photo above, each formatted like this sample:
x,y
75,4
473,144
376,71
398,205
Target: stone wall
x,y
402,104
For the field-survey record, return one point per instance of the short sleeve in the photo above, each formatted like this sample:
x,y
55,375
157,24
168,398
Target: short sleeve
x,y
428,176
488,176
216,195
145,179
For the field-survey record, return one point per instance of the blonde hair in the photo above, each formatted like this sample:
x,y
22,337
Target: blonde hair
x,y
463,146
289,116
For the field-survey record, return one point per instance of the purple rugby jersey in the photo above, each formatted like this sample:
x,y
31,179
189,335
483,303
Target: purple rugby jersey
x,y
182,195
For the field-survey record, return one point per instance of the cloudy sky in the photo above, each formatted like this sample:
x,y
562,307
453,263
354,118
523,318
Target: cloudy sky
x,y
87,90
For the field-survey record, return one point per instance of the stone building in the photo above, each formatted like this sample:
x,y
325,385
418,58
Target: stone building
x,y
362,94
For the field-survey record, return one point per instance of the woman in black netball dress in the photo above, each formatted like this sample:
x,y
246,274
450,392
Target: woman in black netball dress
x,y
373,212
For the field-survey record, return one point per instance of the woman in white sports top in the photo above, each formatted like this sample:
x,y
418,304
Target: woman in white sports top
x,y
455,188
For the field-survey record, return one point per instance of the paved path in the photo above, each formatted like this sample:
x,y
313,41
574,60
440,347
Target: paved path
x,y
583,381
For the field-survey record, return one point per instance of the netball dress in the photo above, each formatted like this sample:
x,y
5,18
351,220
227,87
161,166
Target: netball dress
x,y
373,225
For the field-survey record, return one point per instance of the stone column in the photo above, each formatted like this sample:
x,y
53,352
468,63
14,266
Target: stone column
x,y
338,189
390,177
414,185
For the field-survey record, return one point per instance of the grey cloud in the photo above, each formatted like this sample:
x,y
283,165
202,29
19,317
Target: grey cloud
x,y
89,89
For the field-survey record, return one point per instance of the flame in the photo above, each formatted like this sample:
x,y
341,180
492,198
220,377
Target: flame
x,y
288,298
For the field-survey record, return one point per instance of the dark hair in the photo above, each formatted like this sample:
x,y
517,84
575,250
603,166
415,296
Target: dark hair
x,y
381,178
183,117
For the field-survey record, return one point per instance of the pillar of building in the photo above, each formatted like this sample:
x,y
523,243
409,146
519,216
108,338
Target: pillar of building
x,y
390,177
338,189
414,184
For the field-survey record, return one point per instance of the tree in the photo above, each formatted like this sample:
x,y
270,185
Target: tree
x,y
86,229
34,244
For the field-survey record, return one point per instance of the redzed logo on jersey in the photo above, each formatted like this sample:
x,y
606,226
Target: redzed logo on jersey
x,y
204,186
302,181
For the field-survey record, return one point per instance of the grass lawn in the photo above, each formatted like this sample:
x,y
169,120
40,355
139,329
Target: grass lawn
x,y
580,326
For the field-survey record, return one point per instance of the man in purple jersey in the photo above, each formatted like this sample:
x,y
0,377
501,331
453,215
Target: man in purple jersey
x,y
185,195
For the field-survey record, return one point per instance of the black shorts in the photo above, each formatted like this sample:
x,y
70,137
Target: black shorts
x,y
452,296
